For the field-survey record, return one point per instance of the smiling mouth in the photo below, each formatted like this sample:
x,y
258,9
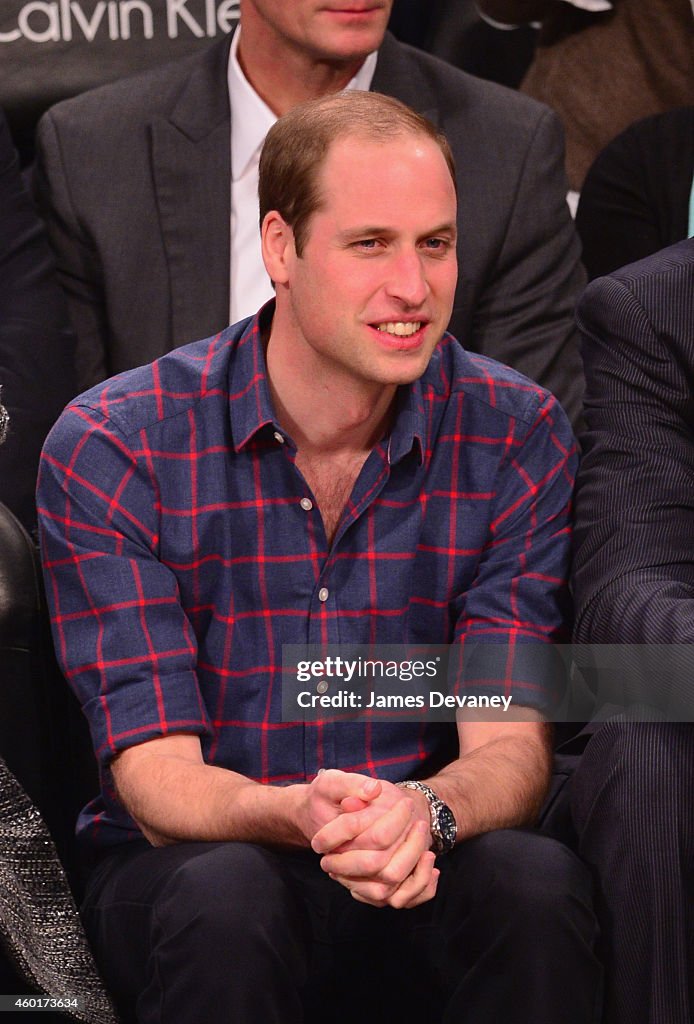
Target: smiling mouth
x,y
401,328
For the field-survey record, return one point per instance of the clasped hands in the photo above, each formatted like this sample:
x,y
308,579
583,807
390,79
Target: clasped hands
x,y
373,837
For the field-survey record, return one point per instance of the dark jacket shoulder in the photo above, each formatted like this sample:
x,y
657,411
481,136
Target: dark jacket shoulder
x,y
137,98
442,91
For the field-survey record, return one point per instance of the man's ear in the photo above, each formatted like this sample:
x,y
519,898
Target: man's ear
x,y
277,241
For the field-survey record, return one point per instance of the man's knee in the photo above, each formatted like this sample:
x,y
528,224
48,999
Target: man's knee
x,y
512,897
204,925
234,891
528,877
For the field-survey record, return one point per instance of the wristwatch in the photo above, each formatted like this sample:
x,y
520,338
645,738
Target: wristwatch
x,y
443,826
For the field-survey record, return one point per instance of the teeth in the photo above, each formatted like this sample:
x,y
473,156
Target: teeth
x,y
400,328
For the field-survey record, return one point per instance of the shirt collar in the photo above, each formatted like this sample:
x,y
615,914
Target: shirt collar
x,y
251,118
250,404
409,425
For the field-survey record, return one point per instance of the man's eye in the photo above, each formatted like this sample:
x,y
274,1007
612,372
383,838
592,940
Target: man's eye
x,y
437,244
367,243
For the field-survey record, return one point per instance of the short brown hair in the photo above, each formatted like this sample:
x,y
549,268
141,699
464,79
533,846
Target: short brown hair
x,y
297,145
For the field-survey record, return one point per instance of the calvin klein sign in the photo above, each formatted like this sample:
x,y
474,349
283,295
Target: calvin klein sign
x,y
52,49
54,21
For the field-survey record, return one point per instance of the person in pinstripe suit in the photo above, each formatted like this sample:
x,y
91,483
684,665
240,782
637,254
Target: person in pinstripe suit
x,y
634,585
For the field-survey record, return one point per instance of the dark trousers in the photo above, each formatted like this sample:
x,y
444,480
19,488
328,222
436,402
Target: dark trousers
x,y
632,806
218,933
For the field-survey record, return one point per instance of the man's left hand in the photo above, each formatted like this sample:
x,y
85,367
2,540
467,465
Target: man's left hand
x,y
380,850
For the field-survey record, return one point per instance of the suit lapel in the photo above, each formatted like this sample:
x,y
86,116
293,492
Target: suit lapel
x,y
192,180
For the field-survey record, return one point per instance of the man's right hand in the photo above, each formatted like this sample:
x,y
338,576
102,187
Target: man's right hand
x,y
377,846
331,793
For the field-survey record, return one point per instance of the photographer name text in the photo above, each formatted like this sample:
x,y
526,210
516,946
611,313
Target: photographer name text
x,y
348,699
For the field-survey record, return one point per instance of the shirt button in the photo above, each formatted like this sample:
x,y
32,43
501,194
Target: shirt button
x,y
322,686
323,594
306,504
278,437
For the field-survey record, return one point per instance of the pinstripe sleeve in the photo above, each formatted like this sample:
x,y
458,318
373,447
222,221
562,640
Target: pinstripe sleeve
x,y
634,560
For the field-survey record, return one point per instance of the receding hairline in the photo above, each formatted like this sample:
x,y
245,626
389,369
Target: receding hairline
x,y
363,133
372,134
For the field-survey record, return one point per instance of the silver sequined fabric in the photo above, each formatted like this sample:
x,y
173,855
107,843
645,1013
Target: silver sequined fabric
x,y
4,421
39,924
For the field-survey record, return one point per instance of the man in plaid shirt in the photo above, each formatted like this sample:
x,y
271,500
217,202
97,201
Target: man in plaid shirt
x,y
334,470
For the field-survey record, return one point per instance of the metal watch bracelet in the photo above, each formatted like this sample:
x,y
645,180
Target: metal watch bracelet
x,y
443,824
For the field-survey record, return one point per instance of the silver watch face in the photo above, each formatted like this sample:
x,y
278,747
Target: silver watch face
x,y
446,827
443,826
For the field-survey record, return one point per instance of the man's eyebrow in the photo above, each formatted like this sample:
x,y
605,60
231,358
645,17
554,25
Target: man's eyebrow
x,y
450,228
370,230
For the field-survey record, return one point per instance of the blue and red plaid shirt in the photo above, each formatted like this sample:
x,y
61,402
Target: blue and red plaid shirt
x,y
182,548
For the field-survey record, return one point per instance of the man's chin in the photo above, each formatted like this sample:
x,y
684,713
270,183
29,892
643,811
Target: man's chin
x,y
405,371
351,39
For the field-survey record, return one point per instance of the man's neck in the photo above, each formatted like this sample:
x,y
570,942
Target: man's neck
x,y
283,75
327,415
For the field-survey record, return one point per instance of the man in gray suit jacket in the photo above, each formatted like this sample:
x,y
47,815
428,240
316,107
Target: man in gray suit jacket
x,y
134,180
634,588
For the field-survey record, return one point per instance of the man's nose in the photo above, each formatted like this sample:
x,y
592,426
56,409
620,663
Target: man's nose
x,y
407,280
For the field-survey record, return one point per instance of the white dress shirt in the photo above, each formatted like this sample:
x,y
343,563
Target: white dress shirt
x,y
251,119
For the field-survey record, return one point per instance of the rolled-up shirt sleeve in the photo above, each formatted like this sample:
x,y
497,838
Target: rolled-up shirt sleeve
x,y
121,635
519,605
